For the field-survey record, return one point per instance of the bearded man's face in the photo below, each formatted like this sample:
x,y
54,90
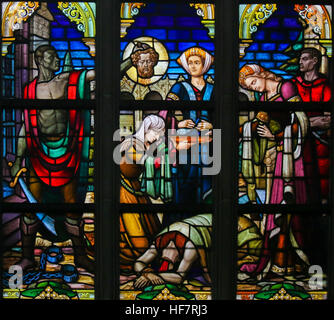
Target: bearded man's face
x,y
145,66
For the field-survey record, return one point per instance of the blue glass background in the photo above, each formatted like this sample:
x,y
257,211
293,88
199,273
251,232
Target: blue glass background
x,y
279,32
66,37
177,26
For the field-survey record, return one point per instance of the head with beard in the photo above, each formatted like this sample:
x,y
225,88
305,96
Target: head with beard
x,y
144,58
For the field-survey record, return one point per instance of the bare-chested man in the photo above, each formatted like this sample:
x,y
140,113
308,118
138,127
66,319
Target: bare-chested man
x,y
52,142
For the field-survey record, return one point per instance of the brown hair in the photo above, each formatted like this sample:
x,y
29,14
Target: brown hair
x,y
136,55
269,75
254,70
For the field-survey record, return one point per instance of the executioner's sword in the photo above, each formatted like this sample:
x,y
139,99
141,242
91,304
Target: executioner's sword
x,y
47,221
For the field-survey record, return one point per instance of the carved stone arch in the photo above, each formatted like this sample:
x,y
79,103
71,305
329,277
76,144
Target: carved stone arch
x,y
251,16
207,12
83,14
128,11
13,15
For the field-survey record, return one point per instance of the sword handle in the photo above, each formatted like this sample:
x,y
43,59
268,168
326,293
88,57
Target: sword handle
x,y
13,183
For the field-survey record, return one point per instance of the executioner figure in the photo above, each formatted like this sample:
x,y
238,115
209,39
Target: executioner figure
x,y
52,141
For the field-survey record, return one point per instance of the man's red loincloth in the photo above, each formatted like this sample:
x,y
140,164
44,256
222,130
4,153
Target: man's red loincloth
x,y
55,172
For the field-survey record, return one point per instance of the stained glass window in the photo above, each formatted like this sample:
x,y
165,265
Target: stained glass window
x,y
285,52
282,256
53,266
174,258
65,164
63,34
284,157
142,158
167,51
162,159
48,186
284,152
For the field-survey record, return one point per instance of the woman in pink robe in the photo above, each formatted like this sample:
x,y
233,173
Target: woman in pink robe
x,y
288,184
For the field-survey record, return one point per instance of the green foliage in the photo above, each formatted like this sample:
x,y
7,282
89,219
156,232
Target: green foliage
x,y
149,293
290,289
36,289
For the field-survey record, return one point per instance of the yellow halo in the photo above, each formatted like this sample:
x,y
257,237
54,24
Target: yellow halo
x,y
161,67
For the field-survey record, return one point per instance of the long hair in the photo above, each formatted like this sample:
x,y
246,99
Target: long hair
x,y
150,122
255,70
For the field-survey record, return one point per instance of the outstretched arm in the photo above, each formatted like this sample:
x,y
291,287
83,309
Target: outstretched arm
x,y
146,274
144,260
321,122
90,75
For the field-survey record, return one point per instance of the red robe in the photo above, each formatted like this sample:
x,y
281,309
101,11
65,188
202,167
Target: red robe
x,y
313,91
55,172
316,91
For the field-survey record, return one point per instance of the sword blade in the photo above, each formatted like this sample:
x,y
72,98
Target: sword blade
x,y
48,222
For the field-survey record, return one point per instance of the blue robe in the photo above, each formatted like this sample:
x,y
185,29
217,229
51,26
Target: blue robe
x,y
189,185
185,91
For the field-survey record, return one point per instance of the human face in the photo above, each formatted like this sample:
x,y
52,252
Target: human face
x,y
195,66
307,62
50,60
153,135
255,83
145,66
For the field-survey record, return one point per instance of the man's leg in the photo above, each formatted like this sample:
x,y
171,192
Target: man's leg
x,y
74,226
29,225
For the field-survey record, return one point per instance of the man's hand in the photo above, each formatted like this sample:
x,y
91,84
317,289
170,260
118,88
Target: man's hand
x,y
154,278
141,282
321,122
147,279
